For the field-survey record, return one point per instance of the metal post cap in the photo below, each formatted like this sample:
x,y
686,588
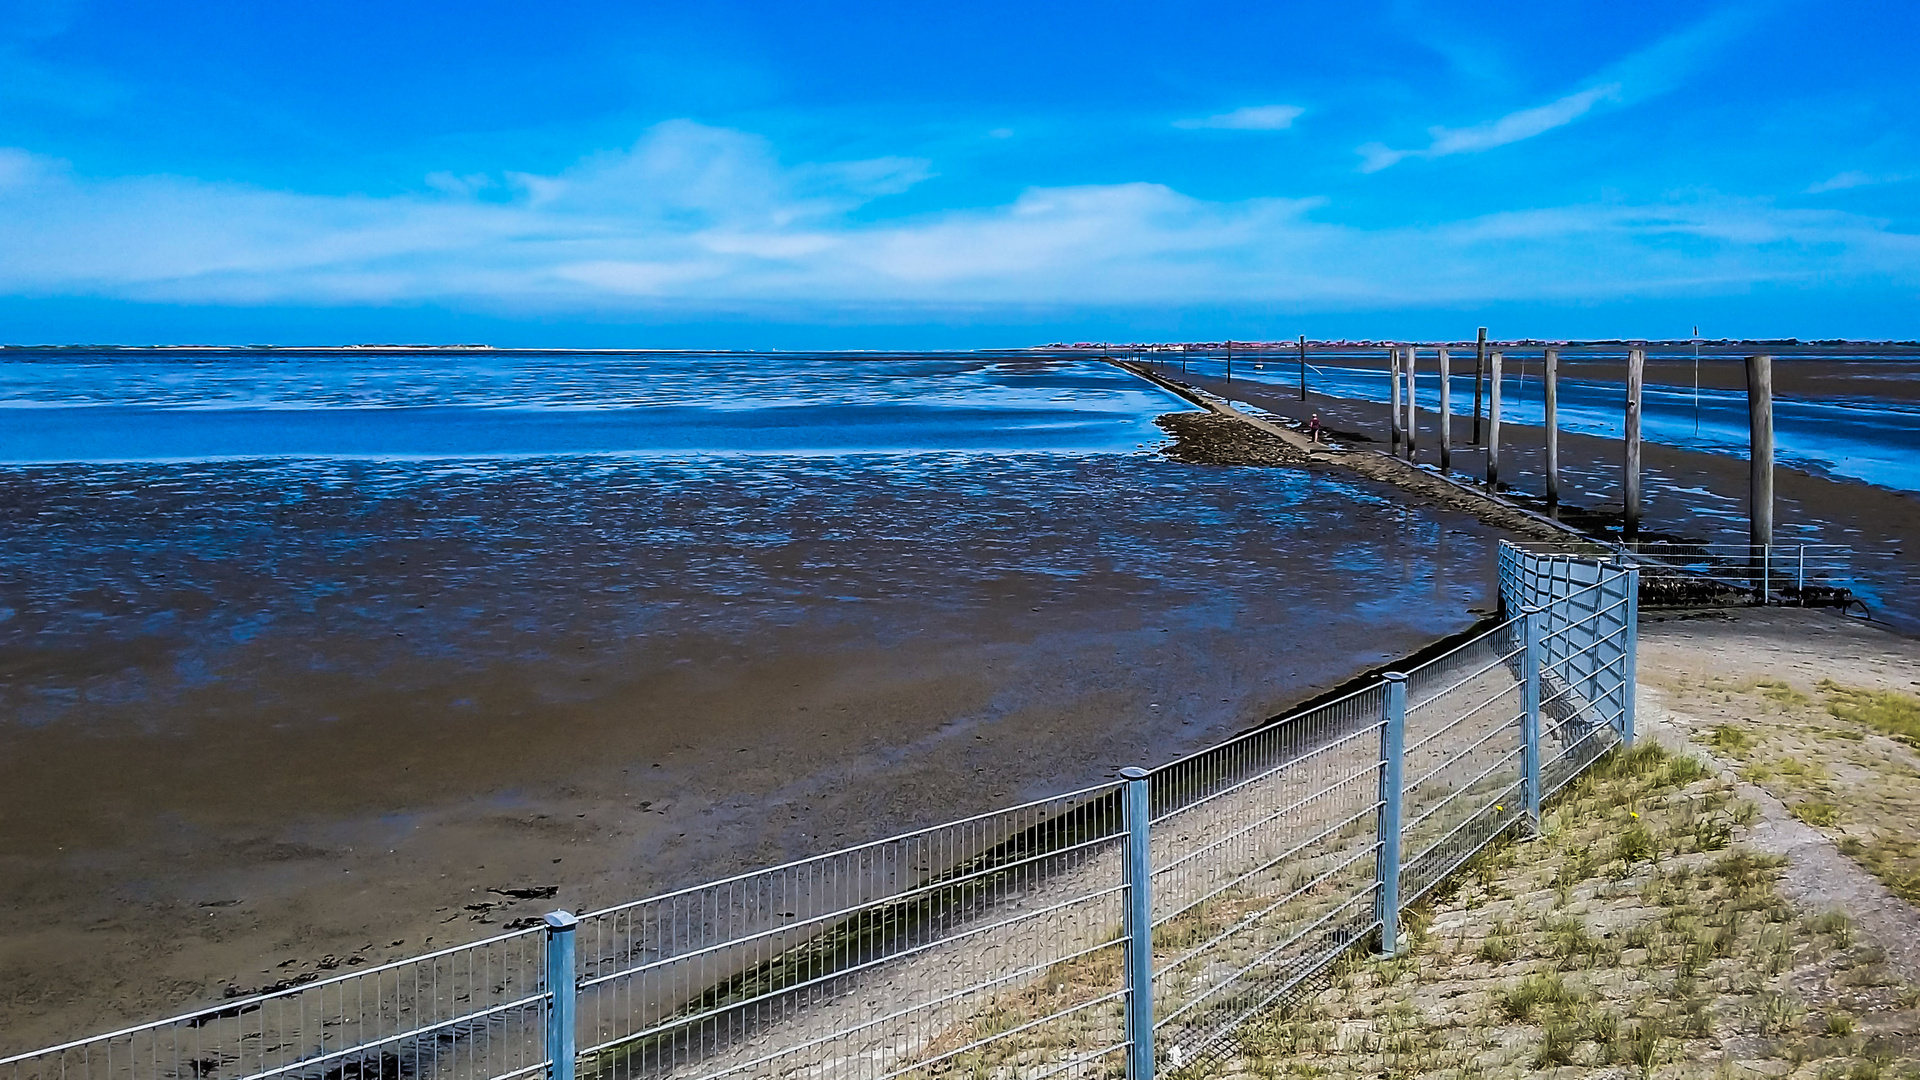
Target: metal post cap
x,y
561,920
1133,772
1394,676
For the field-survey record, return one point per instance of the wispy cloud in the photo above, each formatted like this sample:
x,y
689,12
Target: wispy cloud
x,y
695,218
1651,71
1854,178
1250,118
1511,128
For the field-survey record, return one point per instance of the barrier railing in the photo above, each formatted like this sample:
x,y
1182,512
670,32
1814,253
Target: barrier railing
x,y
1126,928
1815,575
473,1012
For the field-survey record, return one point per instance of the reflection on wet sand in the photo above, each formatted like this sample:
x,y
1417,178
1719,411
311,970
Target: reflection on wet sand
x,y
260,714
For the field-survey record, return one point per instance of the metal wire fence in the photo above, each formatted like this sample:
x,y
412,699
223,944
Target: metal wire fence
x,y
980,943
1674,573
474,1012
1120,930
1264,859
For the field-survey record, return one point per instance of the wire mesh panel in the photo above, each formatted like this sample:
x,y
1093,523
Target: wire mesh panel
x,y
1263,868
1585,679
1807,573
1463,769
1585,687
1538,574
476,1012
992,942
1677,574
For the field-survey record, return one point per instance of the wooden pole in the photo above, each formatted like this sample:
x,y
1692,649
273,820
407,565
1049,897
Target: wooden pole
x,y
1479,375
1229,361
1393,395
1413,418
1636,379
1303,367
1550,379
1760,448
1493,426
1446,412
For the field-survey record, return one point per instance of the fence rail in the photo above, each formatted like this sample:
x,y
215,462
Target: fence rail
x,y
1686,574
1107,932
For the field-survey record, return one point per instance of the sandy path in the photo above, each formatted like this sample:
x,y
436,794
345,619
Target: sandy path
x,y
1700,672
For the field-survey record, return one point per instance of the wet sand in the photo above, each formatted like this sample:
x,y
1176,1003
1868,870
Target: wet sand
x,y
270,720
1689,495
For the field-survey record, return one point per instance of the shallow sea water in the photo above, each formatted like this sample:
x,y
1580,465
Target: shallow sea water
x,y
142,406
474,509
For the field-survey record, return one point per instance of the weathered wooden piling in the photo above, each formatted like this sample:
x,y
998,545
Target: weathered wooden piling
x,y
1760,447
1636,380
1493,425
1446,412
1303,367
1479,374
1413,417
1550,384
1393,398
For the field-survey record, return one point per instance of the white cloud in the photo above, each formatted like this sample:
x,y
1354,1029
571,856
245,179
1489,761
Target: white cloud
x,y
1511,128
1854,178
1250,118
693,218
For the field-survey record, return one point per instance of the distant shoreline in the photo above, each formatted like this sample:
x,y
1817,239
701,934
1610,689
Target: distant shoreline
x,y
1249,347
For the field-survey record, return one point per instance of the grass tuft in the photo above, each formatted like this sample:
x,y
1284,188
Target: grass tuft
x,y
1780,692
1888,711
1836,925
1557,1041
1728,737
1634,845
1642,1044
1820,815
1498,946
1521,1000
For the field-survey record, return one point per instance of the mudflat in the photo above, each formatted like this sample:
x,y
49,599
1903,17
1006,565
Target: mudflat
x,y
1689,495
270,719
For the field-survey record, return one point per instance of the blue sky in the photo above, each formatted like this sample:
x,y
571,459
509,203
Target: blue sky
x,y
811,175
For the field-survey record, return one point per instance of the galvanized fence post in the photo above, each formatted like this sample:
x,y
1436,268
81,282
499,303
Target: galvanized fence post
x,y
1139,812
1530,712
1393,742
1631,676
563,992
